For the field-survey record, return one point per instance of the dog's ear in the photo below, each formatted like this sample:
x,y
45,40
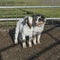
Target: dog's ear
x,y
43,18
34,19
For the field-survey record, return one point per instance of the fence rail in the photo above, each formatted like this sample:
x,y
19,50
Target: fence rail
x,y
5,19
5,7
29,6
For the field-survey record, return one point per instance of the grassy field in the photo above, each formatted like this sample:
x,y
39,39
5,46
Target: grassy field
x,y
29,2
17,13
48,12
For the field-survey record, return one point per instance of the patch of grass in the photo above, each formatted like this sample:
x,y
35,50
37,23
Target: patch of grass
x,y
7,24
4,13
11,13
48,12
29,2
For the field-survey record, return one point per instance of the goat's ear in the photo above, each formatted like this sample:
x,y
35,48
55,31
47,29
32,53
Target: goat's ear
x,y
26,20
33,16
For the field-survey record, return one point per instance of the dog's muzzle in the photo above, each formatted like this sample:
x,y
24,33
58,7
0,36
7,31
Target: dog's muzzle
x,y
39,23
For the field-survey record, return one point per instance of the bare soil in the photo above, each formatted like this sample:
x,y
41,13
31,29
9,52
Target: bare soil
x,y
49,49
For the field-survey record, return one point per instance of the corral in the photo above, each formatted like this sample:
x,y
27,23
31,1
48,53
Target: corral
x,y
49,49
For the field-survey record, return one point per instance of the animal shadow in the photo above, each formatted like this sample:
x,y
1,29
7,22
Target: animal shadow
x,y
12,33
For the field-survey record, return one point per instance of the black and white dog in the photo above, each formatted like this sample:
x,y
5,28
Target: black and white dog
x,y
38,27
24,28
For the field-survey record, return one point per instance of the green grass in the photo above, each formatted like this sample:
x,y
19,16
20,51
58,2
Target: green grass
x,y
13,13
48,12
7,24
29,2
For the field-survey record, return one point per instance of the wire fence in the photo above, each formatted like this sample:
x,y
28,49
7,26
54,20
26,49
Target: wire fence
x,y
9,15
8,23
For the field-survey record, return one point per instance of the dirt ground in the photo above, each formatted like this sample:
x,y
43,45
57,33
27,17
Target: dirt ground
x,y
49,49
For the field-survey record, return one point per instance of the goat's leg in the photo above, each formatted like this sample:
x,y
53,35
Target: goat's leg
x,y
16,33
16,38
16,41
30,43
24,42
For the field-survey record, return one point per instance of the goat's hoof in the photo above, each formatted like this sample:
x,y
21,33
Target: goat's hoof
x,y
15,42
30,44
38,41
34,42
24,45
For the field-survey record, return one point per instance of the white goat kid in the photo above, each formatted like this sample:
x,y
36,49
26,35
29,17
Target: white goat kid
x,y
38,28
25,28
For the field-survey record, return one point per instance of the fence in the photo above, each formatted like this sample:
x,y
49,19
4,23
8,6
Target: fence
x,y
14,20
29,7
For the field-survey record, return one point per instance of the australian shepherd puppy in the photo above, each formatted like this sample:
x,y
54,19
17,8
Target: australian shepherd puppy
x,y
38,27
24,28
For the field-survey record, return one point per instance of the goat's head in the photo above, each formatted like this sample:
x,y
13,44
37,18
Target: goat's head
x,y
29,21
39,19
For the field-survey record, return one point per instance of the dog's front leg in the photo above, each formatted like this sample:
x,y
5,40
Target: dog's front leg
x,y
34,40
38,38
24,41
